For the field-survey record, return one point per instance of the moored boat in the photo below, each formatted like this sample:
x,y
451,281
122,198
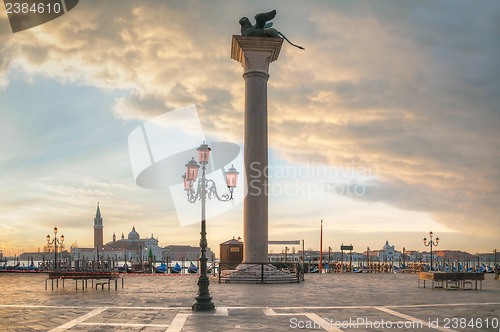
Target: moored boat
x,y
162,268
176,269
124,269
192,268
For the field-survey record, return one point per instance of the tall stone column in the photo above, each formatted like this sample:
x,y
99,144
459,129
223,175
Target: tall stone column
x,y
255,54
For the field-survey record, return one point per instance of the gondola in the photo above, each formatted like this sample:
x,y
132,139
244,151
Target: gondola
x,y
162,268
176,269
124,269
30,267
192,268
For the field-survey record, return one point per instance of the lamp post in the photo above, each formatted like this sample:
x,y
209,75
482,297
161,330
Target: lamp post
x,y
55,241
205,189
431,244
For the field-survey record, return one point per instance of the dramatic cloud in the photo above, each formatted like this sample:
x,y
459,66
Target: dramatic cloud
x,y
409,87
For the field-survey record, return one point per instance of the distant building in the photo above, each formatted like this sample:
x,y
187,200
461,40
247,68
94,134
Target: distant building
x,y
43,256
425,256
133,247
133,242
444,255
335,256
98,228
94,253
485,257
231,252
388,254
188,253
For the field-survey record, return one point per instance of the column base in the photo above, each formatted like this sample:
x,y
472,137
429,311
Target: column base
x,y
258,274
203,306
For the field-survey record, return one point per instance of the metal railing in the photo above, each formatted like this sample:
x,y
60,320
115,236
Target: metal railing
x,y
259,272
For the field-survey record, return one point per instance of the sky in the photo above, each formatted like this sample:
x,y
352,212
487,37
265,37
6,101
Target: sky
x,y
392,112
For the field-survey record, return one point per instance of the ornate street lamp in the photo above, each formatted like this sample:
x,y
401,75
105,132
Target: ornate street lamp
x,y
55,241
205,189
431,244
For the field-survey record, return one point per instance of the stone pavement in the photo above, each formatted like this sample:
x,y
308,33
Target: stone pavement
x,y
362,302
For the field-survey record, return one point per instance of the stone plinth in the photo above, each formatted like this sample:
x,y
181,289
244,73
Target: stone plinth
x,y
258,273
255,54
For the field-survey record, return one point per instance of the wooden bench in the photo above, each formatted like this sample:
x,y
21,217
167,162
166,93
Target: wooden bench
x,y
452,280
101,278
102,284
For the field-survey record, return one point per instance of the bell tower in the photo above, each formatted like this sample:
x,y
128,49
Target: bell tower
x,y
98,237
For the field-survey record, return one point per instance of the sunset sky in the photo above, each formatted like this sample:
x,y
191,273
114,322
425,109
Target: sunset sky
x,y
409,90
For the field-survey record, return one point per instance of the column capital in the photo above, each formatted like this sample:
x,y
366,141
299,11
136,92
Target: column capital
x,y
255,53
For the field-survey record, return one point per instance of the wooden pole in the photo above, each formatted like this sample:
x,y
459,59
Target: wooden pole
x,y
321,248
303,253
342,259
350,259
329,261
367,258
404,263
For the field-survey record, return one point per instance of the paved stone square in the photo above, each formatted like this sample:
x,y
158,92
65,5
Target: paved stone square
x,y
361,302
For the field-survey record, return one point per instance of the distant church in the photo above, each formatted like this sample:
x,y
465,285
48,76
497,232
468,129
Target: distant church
x,y
133,243
387,253
133,247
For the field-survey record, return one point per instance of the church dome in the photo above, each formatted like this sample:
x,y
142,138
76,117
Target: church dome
x,y
387,247
133,235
